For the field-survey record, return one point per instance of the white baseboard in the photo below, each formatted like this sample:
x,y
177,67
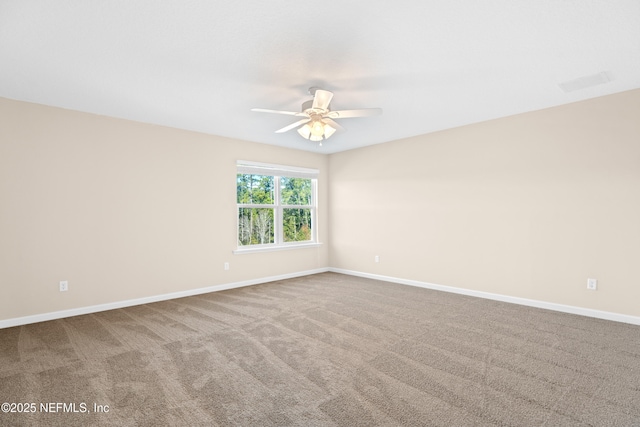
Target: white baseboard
x,y
18,321
634,320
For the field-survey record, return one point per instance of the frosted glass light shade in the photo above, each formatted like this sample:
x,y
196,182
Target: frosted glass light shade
x,y
317,128
305,131
328,131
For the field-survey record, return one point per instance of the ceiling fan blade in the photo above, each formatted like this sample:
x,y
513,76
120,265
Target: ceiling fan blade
x,y
344,114
294,125
333,124
322,99
288,113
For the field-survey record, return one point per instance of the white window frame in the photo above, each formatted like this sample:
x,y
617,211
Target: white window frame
x,y
278,171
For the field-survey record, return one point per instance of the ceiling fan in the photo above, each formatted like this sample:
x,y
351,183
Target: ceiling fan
x,y
317,118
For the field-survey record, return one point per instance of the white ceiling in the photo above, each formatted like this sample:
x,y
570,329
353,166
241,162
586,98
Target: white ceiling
x,y
202,65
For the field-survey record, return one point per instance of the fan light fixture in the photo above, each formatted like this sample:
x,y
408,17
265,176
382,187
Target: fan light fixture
x,y
316,130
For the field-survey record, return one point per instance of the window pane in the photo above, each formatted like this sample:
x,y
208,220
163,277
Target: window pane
x,y
296,225
295,191
255,226
255,189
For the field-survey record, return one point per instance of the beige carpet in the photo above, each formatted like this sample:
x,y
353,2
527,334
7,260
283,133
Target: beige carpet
x,y
323,350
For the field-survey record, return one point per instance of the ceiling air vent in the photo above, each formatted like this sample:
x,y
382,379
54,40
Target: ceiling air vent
x,y
585,82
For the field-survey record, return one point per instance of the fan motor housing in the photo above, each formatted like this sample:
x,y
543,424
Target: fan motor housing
x,y
307,107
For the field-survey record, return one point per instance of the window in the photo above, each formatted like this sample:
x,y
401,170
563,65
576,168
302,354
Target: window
x,y
276,206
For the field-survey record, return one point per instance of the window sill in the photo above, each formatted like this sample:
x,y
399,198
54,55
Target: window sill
x,y
273,248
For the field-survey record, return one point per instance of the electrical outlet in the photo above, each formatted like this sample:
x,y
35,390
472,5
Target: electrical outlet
x,y
376,258
226,265
64,286
592,284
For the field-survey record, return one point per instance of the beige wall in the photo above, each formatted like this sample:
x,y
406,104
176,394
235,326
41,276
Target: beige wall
x,y
527,206
124,210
